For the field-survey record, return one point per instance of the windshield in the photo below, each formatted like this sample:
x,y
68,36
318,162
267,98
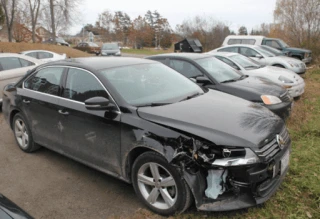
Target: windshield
x,y
110,46
245,61
219,70
146,84
264,52
273,50
283,44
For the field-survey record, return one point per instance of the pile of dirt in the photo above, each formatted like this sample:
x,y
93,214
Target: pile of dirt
x,y
19,47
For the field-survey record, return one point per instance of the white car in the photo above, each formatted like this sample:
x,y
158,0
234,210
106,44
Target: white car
x,y
44,55
284,77
13,67
265,57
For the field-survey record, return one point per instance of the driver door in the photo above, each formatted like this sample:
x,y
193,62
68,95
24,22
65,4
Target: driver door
x,y
90,136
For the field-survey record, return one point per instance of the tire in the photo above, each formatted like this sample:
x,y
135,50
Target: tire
x,y
170,195
22,134
278,65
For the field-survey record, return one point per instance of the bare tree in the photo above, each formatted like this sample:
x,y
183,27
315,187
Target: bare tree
x,y
9,11
298,21
34,6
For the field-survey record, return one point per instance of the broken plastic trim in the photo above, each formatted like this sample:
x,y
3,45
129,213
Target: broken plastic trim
x,y
216,180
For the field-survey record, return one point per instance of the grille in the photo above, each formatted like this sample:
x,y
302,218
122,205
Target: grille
x,y
285,97
272,148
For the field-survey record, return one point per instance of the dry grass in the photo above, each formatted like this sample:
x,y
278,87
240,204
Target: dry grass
x,y
19,47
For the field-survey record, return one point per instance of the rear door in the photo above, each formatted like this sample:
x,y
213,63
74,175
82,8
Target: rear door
x,y
90,136
40,99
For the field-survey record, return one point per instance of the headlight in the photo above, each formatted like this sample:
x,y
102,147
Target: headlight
x,y
118,53
269,100
284,79
293,64
249,157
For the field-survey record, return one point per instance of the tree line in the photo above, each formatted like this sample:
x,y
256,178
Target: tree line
x,y
295,21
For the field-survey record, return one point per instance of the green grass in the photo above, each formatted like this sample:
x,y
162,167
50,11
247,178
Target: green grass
x,y
299,194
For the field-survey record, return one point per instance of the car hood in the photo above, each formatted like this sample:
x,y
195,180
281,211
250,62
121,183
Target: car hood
x,y
257,85
298,49
286,59
276,71
218,117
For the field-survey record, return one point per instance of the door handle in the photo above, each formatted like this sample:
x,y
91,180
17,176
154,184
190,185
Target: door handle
x,y
63,112
26,101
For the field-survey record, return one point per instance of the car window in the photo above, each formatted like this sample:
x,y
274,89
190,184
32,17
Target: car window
x,y
26,63
229,49
248,41
163,61
234,41
229,62
46,81
32,54
185,68
273,44
248,52
8,63
45,55
82,85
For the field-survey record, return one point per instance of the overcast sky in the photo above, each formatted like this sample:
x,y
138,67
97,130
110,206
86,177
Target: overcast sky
x,y
235,13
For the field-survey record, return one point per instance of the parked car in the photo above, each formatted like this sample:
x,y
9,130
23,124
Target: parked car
x,y
88,47
148,125
13,67
110,49
284,77
59,41
44,55
210,72
265,57
9,210
298,53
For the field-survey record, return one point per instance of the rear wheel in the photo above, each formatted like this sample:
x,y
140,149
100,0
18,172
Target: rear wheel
x,y
23,134
159,185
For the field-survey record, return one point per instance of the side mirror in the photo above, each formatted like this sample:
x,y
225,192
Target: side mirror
x,y
259,56
97,103
203,80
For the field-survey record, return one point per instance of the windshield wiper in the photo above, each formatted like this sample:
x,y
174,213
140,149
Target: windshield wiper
x,y
191,96
227,81
243,77
153,104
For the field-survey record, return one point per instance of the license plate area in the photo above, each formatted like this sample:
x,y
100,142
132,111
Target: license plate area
x,y
285,162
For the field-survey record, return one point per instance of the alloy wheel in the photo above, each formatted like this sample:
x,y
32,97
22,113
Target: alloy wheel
x,y
157,185
21,133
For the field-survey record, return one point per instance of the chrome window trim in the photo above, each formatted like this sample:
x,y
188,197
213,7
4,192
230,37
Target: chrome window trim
x,y
75,101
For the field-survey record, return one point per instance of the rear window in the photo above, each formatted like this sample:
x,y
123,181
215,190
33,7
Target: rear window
x,y
242,41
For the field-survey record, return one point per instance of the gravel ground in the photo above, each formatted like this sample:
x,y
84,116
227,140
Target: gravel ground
x,y
48,185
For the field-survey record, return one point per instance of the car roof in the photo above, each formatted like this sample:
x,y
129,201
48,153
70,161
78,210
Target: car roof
x,y
99,63
192,56
38,50
242,45
21,56
225,54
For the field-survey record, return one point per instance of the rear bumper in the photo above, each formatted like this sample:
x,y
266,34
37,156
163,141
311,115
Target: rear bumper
x,y
283,109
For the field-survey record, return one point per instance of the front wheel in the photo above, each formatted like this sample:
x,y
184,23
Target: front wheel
x,y
159,185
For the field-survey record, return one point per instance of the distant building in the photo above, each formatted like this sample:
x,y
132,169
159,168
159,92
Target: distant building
x,y
43,33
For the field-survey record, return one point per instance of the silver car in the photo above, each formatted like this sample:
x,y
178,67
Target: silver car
x,y
13,67
265,57
284,77
110,49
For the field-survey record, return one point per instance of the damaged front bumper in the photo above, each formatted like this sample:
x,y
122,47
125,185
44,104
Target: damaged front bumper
x,y
239,187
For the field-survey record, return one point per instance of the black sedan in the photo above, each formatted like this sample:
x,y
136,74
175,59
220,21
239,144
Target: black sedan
x,y
212,73
146,124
